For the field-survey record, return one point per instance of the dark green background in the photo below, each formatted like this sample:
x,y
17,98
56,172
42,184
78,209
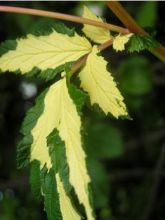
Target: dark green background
x,y
126,157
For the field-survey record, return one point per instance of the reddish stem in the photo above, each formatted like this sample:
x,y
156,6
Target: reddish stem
x,y
62,16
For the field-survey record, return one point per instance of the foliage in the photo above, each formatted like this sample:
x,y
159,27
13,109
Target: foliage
x,y
55,109
138,43
52,173
98,35
147,15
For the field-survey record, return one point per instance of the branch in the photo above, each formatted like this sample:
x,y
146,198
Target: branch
x,y
132,25
62,16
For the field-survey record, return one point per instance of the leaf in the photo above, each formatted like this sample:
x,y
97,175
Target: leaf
x,y
61,113
50,194
45,26
107,145
66,207
23,149
35,181
57,203
140,42
120,41
98,82
147,14
135,76
44,52
78,96
7,45
100,184
57,153
96,34
59,163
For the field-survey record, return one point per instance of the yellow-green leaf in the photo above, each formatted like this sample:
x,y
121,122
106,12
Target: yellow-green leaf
x,y
99,83
44,52
61,113
57,202
120,41
96,34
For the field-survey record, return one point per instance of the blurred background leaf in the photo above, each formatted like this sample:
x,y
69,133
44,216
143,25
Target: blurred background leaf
x,y
147,14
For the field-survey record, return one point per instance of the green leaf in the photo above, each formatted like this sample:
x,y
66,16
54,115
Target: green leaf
x,y
135,76
147,14
140,42
100,184
108,140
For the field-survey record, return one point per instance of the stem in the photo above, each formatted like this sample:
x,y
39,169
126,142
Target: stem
x,y
83,59
124,17
72,18
62,16
132,25
105,45
78,64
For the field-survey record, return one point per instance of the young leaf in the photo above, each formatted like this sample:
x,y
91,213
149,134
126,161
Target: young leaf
x,y
120,41
140,42
98,82
96,34
61,113
44,52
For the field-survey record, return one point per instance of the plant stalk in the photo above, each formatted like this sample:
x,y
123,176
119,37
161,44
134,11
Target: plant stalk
x,y
132,25
83,59
62,16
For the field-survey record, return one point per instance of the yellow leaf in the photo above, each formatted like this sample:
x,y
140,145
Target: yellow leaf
x,y
99,83
96,34
60,112
120,41
44,52
67,210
